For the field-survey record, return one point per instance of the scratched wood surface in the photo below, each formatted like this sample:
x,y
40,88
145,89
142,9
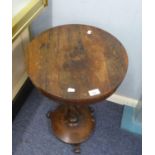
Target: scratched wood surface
x,y
76,63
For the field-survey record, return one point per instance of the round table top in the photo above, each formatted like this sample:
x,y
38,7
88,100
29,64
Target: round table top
x,y
76,63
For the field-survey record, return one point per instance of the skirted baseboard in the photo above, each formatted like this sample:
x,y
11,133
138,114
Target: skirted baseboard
x,y
123,100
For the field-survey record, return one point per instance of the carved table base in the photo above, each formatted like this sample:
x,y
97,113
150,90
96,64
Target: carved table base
x,y
72,124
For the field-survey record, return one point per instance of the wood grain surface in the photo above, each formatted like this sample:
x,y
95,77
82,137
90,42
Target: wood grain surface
x,y
76,63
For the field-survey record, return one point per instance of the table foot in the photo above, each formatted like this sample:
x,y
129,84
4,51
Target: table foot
x,y
48,114
92,110
76,148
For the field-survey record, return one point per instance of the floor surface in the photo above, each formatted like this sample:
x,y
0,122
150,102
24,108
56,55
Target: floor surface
x,y
32,134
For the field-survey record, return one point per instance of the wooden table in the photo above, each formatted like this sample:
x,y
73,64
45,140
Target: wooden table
x,y
75,65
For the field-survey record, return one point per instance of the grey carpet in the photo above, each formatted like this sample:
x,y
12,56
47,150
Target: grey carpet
x,y
32,133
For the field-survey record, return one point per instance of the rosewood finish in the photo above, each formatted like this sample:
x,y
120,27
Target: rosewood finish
x,y
75,65
76,56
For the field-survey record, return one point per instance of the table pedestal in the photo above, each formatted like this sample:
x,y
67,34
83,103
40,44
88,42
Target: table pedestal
x,y
72,124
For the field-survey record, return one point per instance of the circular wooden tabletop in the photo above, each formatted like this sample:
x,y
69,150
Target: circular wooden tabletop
x,y
76,63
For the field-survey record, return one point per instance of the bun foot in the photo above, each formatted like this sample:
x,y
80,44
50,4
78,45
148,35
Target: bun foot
x,y
48,114
76,148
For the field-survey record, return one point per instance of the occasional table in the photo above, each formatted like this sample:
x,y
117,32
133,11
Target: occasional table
x,y
75,65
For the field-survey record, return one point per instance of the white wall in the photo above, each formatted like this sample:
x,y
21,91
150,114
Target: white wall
x,y
122,18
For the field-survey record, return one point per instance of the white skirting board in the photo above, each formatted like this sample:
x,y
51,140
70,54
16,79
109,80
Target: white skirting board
x,y
123,100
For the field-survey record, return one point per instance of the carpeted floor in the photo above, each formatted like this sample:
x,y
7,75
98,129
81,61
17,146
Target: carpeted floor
x,y
32,133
